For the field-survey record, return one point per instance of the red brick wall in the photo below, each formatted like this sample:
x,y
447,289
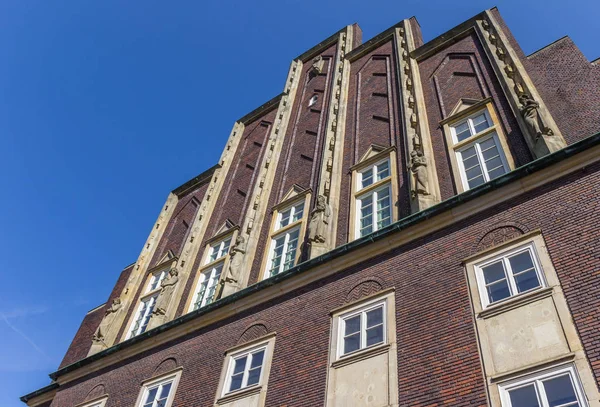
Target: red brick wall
x,y
373,117
82,342
302,150
437,350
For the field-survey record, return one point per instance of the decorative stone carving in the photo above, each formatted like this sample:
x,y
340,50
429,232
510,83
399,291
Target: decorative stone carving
x,y
418,168
531,115
317,65
318,227
99,336
236,262
167,286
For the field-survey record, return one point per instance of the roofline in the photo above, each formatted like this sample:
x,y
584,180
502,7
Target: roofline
x,y
449,204
548,45
332,39
265,107
39,392
200,179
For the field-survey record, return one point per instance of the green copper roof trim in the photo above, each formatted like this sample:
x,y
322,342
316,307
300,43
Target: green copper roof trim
x,y
404,223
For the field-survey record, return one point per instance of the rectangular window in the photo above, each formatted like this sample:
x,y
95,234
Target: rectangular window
x,y
362,328
159,392
290,215
210,274
374,210
245,370
283,251
478,150
509,274
554,388
147,303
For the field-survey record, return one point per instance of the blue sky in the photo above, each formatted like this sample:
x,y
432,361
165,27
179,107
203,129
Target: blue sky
x,y
105,106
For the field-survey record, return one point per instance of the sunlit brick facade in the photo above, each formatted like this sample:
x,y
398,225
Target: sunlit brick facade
x,y
406,224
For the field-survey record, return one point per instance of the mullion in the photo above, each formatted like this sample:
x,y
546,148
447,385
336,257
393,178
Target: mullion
x,y
481,158
541,393
511,278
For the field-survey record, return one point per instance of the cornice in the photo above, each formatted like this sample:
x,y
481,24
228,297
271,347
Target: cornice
x,y
523,179
203,178
265,107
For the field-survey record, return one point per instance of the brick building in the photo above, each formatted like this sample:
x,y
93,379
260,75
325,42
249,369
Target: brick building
x,y
407,223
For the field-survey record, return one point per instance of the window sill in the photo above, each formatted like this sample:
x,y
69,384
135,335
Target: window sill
x,y
515,302
361,355
240,394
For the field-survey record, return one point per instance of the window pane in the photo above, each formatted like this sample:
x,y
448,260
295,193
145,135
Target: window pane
x,y
290,255
480,123
366,178
285,218
240,365
470,162
254,376
164,393
527,281
462,131
352,343
383,170
498,291
475,182
559,391
383,208
521,262
524,397
298,212
366,215
352,325
375,335
257,359
493,272
151,395
375,317
236,381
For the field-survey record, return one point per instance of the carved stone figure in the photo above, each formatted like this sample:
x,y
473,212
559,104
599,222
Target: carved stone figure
x,y
532,117
236,258
317,65
418,168
319,221
109,317
167,286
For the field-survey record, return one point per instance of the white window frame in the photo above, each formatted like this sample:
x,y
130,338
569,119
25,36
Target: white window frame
x,y
537,379
172,377
360,310
150,294
374,218
503,256
287,237
219,247
375,168
231,365
213,281
474,140
293,211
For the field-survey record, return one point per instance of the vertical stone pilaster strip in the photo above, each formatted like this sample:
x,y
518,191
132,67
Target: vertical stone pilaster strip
x,y
330,179
258,208
137,275
541,133
191,247
420,161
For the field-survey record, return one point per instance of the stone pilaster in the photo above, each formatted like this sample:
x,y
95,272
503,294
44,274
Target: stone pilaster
x,y
537,124
420,161
330,179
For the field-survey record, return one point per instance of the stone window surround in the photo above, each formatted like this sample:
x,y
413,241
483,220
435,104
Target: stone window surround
x,y
174,376
483,296
274,232
546,373
390,154
483,105
576,357
224,398
204,266
358,310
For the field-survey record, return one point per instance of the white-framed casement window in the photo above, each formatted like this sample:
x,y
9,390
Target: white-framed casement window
x,y
478,149
287,231
147,303
159,392
509,274
246,370
373,198
362,328
556,387
210,273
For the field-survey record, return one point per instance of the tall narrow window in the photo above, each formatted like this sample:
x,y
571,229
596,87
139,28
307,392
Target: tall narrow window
x,y
210,273
287,230
477,149
373,198
147,303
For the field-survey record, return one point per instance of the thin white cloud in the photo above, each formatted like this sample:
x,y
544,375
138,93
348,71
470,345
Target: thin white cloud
x,y
27,338
24,312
